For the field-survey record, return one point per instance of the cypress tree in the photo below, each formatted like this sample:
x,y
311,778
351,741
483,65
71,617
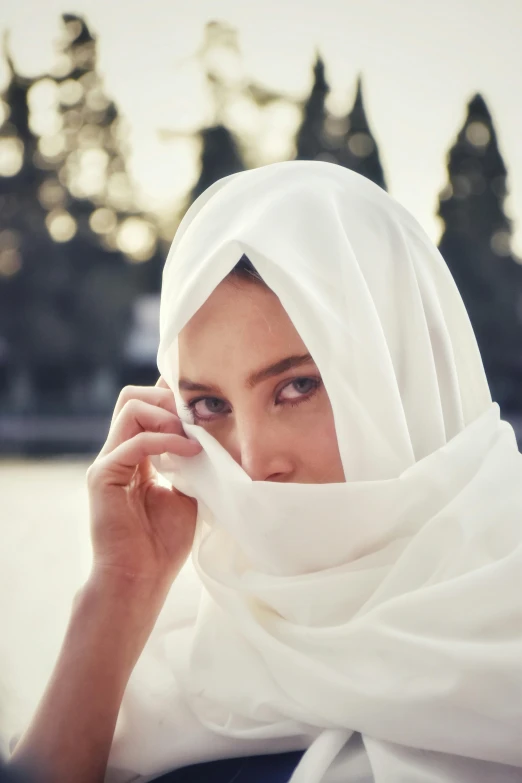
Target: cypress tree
x,y
476,244
220,156
358,150
310,139
346,140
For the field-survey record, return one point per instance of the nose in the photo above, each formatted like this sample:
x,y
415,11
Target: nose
x,y
259,447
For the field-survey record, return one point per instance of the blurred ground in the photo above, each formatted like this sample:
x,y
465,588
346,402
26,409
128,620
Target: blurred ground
x,y
44,556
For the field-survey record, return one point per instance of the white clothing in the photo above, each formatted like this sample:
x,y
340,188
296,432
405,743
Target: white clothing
x,y
377,621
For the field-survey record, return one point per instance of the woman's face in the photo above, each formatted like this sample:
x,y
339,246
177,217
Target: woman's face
x,y
247,378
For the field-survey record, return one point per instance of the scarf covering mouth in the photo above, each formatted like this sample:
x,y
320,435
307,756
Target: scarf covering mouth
x,y
376,623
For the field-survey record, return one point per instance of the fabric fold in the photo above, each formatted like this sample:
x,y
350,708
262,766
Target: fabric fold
x,y
388,607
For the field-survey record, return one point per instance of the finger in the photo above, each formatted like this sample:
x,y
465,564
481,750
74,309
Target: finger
x,y
119,465
154,395
162,383
138,416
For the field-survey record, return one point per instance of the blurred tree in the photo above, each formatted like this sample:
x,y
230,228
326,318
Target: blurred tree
x,y
219,57
68,230
346,140
89,144
476,244
311,142
358,149
93,161
110,230
240,112
220,157
29,268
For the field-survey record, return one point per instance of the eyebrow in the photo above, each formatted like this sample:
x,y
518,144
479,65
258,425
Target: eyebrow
x,y
255,378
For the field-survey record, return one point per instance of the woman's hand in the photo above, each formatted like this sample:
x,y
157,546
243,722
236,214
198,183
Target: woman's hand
x,y
142,533
140,529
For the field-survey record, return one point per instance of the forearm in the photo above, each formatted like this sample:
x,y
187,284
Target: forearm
x,y
71,734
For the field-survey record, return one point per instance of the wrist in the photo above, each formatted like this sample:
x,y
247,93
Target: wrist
x,y
120,586
121,607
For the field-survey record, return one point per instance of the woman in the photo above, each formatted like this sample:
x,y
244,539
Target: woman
x,y
352,500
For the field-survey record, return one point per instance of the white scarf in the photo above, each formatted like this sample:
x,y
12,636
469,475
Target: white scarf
x,y
383,615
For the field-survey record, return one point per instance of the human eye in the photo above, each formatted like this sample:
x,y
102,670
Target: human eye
x,y
206,408
298,390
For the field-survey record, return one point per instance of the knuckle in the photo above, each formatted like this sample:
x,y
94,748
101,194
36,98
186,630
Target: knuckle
x,y
141,439
127,393
132,407
124,395
143,443
167,422
92,474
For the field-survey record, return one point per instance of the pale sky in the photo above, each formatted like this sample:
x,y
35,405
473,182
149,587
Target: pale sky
x,y
421,62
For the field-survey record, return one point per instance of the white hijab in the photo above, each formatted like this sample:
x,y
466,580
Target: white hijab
x,y
377,622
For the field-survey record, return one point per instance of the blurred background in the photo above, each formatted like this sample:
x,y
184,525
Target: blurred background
x,y
115,116
113,119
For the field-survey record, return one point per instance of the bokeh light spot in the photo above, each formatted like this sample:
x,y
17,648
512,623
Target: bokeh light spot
x,y
62,66
10,262
96,100
11,156
43,95
51,194
73,28
478,134
336,126
361,145
103,220
5,111
501,243
461,186
61,225
10,256
119,191
71,92
137,239
52,146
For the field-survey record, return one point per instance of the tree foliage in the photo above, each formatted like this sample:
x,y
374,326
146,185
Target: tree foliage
x,y
346,140
476,244
66,286
76,252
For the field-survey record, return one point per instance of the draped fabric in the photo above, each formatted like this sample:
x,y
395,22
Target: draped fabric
x,y
376,623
